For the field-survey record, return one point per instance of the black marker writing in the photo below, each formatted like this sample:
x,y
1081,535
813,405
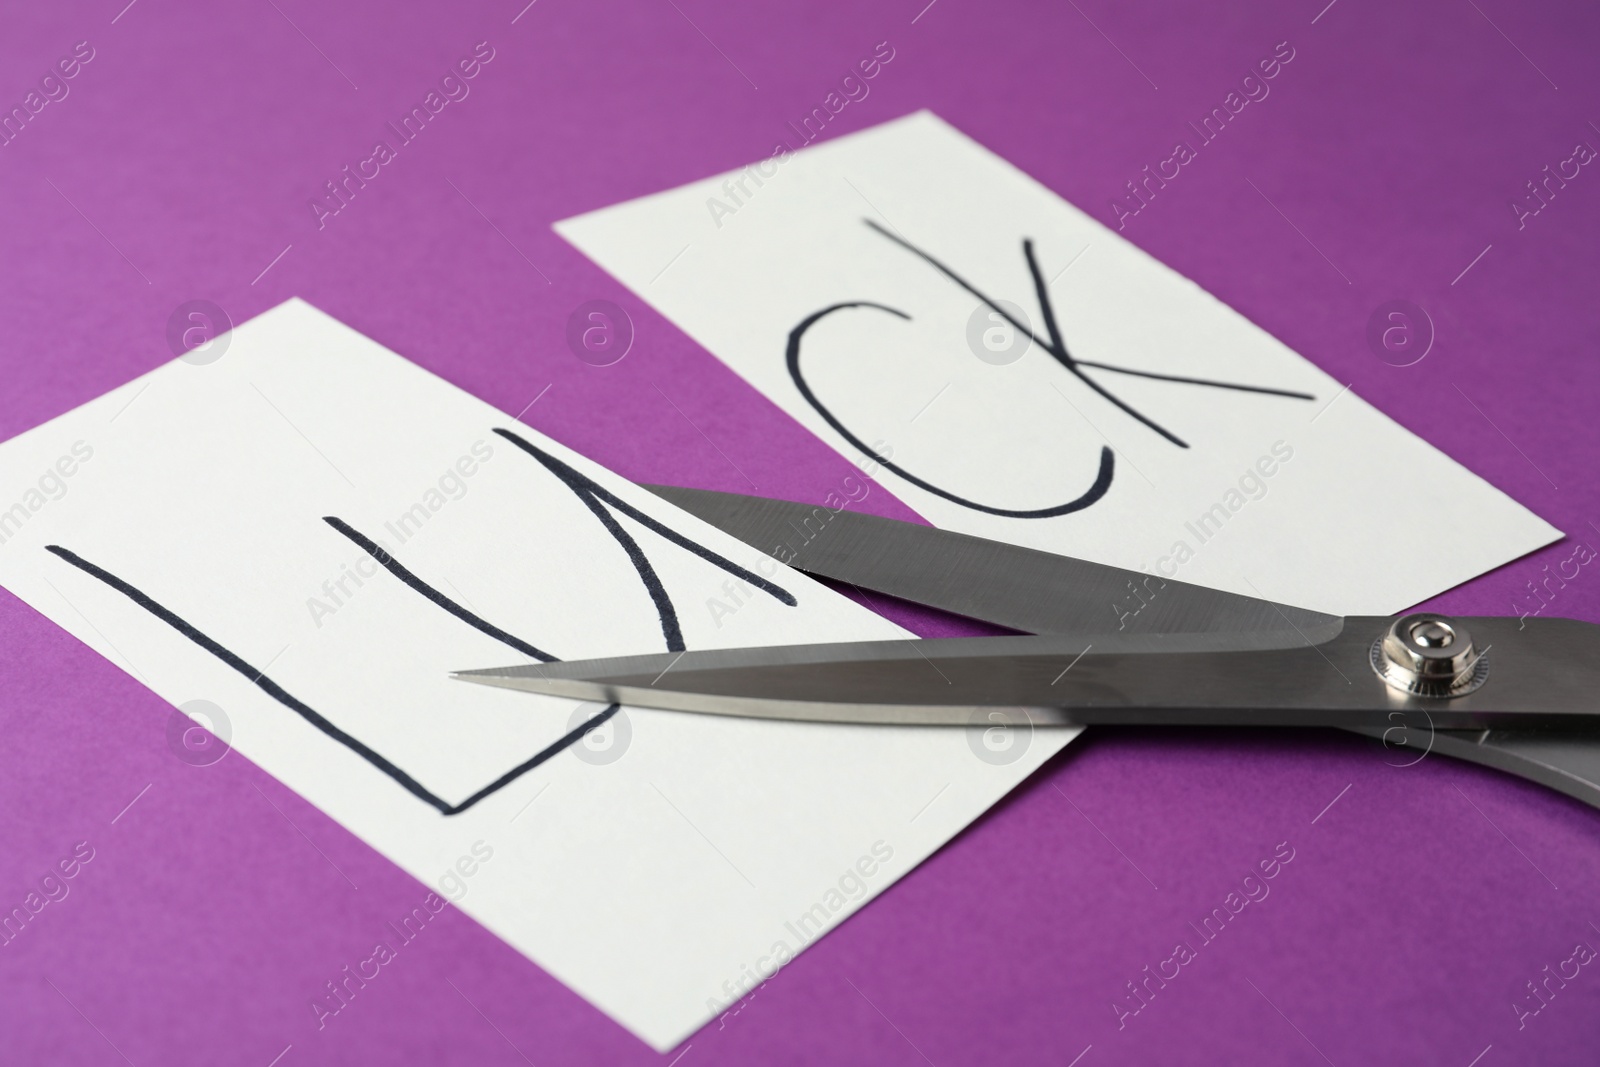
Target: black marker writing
x,y
1095,492
597,498
594,496
1053,343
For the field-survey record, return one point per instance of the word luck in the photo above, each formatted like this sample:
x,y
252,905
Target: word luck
x,y
1252,89
341,191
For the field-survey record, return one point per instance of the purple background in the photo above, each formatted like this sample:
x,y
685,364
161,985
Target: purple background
x,y
1417,906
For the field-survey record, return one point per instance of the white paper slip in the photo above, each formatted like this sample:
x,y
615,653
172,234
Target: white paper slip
x,y
298,542
1025,374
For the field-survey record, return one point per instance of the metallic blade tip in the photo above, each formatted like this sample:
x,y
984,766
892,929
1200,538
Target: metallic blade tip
x,y
482,674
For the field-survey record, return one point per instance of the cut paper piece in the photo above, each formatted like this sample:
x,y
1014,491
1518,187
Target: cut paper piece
x,y
303,572
1023,373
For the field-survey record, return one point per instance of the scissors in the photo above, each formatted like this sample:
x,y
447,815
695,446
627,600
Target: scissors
x,y
1102,645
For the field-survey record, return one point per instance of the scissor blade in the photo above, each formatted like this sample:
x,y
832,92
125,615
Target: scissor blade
x,y
1022,588
1566,760
1541,675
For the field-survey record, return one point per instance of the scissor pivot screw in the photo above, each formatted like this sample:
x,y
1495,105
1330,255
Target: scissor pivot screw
x,y
1429,655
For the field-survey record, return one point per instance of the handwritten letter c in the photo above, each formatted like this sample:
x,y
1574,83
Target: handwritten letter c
x,y
1101,483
